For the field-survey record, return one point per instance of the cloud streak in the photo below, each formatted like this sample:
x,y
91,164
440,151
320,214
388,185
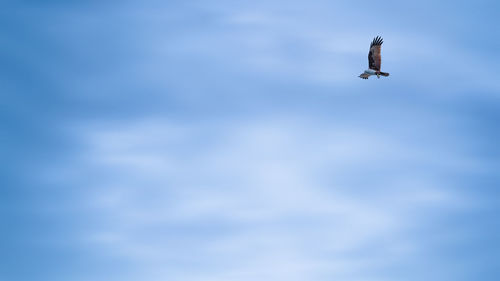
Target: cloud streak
x,y
266,200
233,141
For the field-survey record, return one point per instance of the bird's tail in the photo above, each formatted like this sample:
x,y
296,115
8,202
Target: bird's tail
x,y
384,74
364,75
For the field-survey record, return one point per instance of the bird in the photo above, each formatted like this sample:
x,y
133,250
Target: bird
x,y
374,60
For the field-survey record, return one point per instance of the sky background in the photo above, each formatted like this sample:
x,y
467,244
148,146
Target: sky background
x,y
233,141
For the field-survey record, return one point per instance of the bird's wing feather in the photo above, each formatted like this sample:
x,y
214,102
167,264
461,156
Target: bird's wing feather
x,y
374,56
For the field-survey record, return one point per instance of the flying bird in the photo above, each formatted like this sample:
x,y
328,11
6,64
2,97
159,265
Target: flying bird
x,y
374,60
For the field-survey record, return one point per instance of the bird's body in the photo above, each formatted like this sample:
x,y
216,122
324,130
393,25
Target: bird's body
x,y
374,60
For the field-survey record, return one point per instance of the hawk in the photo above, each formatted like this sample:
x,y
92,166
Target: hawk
x,y
374,60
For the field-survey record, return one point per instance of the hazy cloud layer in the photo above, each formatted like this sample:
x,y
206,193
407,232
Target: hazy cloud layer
x,y
215,140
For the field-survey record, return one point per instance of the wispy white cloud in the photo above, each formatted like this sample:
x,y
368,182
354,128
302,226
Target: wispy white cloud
x,y
209,43
229,181
254,199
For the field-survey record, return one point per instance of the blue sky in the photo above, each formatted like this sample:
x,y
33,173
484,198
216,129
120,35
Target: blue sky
x,y
233,140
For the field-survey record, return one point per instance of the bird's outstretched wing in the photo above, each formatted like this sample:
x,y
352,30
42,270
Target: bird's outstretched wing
x,y
374,56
